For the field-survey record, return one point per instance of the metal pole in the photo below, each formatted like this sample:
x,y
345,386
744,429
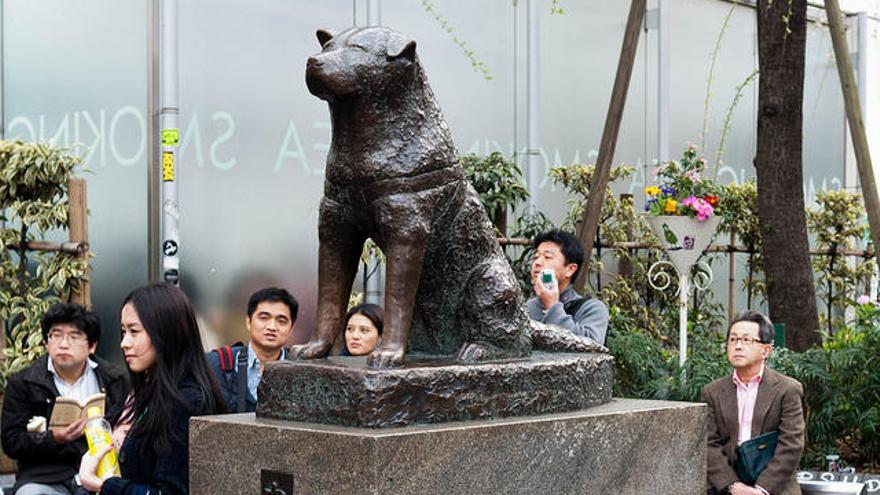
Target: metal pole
x,y
862,60
515,76
663,81
532,104
374,12
683,290
154,167
375,286
862,76
850,168
170,136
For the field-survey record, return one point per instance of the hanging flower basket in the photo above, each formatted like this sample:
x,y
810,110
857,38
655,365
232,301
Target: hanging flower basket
x,y
683,238
683,209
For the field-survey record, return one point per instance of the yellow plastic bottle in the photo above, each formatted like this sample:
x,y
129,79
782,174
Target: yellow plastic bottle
x,y
98,436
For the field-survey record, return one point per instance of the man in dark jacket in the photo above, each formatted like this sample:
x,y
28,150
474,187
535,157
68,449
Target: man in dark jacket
x,y
271,315
48,458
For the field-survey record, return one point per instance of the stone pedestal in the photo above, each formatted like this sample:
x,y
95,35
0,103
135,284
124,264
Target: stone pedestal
x,y
622,447
345,391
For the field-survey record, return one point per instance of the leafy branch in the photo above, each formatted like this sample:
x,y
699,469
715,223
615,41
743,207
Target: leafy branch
x,y
471,55
711,76
725,127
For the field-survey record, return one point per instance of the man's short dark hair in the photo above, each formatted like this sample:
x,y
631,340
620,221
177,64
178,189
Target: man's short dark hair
x,y
75,315
570,246
766,332
273,294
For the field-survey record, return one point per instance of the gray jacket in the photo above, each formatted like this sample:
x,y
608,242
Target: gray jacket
x,y
590,320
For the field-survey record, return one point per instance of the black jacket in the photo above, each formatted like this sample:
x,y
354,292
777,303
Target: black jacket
x,y
146,471
32,392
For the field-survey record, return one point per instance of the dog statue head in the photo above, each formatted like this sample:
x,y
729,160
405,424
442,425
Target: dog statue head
x,y
373,61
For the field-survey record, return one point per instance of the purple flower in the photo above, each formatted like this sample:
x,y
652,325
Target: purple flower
x,y
864,299
668,190
688,242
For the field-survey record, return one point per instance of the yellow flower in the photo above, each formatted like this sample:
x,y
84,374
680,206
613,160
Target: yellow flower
x,y
671,206
652,191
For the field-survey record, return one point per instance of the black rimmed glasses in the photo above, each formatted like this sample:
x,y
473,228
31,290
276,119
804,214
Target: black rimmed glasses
x,y
57,337
744,340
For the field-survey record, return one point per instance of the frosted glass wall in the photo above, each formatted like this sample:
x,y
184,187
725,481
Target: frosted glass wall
x,y
254,140
75,74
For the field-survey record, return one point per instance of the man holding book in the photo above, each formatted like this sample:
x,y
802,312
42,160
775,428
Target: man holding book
x,y
43,410
756,418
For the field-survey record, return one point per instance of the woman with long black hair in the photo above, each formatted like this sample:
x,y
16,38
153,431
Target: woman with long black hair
x,y
171,382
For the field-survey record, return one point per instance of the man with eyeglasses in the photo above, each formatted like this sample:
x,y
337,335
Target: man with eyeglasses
x,y
48,459
754,401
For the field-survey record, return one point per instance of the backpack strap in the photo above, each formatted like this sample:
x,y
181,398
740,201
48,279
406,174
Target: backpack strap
x,y
242,362
229,361
225,354
571,307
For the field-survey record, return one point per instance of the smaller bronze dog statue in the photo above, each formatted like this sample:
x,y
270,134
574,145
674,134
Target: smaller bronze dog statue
x,y
393,175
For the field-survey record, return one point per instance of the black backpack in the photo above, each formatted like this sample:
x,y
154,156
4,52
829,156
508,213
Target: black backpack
x,y
571,307
228,363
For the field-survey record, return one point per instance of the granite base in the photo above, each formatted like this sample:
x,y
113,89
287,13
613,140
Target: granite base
x,y
623,447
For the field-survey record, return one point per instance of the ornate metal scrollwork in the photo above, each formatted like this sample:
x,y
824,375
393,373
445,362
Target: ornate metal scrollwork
x,y
702,276
658,276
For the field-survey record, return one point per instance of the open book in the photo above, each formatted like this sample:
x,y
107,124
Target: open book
x,y
67,409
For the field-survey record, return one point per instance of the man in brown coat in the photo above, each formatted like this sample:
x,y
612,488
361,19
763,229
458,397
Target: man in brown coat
x,y
755,400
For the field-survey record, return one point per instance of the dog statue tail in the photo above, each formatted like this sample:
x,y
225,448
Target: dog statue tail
x,y
551,338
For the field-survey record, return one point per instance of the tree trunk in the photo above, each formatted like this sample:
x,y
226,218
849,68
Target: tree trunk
x,y
500,219
791,293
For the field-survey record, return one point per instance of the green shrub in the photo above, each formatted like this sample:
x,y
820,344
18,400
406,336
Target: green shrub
x,y
739,211
33,187
498,181
847,409
837,223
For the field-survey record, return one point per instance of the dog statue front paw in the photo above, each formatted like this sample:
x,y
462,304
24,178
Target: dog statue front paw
x,y
385,358
309,350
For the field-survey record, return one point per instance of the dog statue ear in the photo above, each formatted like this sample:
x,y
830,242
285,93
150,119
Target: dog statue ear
x,y
324,35
406,49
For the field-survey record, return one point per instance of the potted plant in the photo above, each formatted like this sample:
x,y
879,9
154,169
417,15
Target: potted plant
x,y
683,208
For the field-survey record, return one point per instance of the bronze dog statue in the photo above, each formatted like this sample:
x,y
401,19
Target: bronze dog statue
x,y
393,175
